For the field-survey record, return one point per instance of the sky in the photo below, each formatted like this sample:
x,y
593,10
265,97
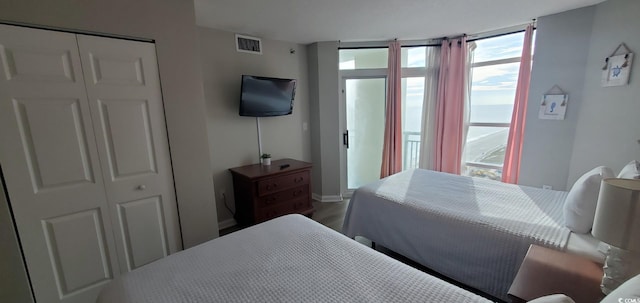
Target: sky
x,y
495,84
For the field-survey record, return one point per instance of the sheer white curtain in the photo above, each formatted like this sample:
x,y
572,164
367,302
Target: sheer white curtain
x,y
471,46
427,133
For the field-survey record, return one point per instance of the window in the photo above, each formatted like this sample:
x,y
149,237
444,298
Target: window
x,y
367,58
414,64
494,75
412,100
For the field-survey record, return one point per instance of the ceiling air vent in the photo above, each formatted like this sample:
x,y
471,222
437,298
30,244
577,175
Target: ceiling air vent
x,y
248,44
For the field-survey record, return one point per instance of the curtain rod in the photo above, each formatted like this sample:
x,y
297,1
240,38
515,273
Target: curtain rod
x,y
434,42
496,35
501,32
385,46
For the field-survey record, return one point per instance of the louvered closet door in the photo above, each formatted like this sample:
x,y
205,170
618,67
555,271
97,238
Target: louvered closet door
x,y
50,163
123,86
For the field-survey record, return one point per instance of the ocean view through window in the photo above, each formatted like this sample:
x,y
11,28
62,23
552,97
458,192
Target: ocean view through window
x,y
494,75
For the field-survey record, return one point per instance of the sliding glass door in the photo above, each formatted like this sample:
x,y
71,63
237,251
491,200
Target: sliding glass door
x,y
364,108
362,116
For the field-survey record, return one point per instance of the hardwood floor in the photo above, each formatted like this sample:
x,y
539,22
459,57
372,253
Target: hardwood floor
x,y
330,214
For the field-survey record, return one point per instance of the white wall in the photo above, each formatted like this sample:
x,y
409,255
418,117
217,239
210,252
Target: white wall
x,y
172,25
560,58
608,126
602,125
326,137
233,139
314,119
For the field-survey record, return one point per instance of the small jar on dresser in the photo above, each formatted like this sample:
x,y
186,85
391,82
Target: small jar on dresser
x,y
263,192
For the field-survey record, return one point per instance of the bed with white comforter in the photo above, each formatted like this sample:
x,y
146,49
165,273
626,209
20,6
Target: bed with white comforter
x,y
475,231
288,259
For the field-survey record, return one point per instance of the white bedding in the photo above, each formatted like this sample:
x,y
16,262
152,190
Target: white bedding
x,y
472,230
288,259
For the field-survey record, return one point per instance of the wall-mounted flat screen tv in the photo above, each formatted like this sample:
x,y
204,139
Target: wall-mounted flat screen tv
x,y
265,97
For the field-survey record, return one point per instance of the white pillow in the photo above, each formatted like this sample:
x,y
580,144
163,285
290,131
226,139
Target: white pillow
x,y
557,298
627,292
580,206
630,171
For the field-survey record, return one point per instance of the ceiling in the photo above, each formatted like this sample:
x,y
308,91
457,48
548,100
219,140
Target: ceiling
x,y
306,21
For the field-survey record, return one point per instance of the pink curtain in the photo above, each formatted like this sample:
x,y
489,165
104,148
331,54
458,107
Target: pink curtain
x,y
450,106
392,147
513,154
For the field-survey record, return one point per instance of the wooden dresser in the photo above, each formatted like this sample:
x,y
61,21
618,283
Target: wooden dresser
x,y
263,192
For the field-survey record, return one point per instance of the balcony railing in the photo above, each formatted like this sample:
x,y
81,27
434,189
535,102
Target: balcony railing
x,y
411,148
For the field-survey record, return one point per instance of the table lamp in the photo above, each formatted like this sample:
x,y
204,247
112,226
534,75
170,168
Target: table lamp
x,y
617,223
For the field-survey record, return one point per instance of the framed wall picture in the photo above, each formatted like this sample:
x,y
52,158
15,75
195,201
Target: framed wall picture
x,y
553,106
617,70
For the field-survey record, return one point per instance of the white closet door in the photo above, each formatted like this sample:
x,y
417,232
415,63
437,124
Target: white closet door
x,y
126,105
50,162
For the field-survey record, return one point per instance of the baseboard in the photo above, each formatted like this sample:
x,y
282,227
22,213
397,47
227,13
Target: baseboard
x,y
226,224
337,198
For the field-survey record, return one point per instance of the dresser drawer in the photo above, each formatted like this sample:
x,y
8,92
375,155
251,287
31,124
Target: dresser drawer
x,y
280,183
290,207
265,192
284,196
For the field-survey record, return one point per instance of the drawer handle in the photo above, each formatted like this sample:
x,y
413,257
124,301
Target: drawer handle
x,y
272,186
298,179
141,187
297,192
270,200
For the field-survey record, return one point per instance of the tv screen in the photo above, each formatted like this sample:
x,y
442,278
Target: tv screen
x,y
264,96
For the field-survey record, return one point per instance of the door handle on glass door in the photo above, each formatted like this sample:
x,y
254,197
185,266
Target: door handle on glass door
x,y
345,138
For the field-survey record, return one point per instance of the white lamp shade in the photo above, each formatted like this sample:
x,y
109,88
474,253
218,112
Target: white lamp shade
x,y
617,220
